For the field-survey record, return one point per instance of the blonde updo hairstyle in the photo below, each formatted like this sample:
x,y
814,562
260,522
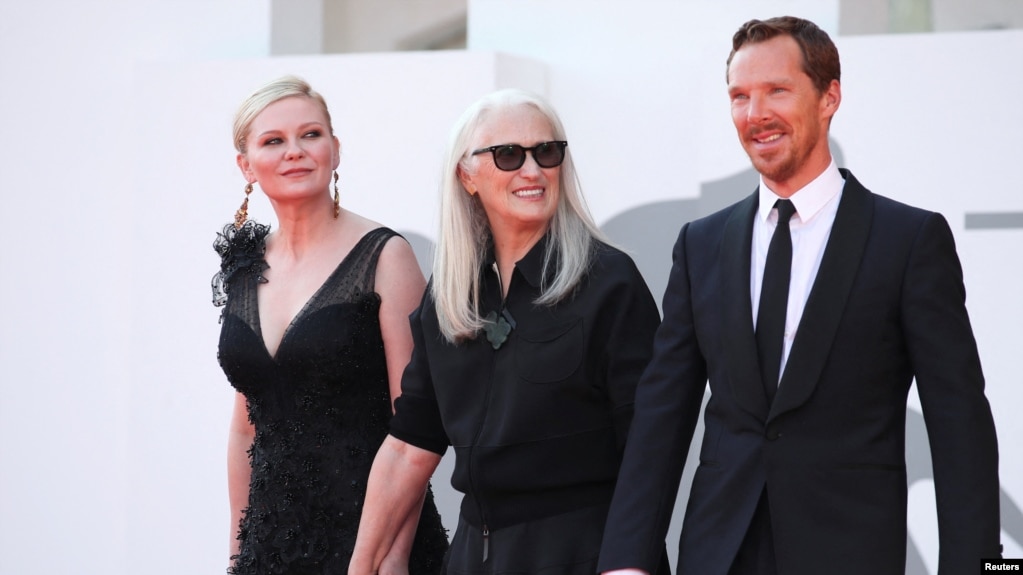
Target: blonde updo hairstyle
x,y
283,87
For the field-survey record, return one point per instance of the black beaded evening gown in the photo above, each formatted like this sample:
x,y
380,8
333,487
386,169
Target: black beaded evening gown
x,y
320,408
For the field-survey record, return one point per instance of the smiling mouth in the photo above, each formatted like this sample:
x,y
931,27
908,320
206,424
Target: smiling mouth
x,y
534,193
768,139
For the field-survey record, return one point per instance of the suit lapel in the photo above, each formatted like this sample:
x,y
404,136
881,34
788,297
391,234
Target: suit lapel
x,y
737,310
825,305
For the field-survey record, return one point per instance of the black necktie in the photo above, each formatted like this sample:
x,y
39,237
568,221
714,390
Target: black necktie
x,y
774,298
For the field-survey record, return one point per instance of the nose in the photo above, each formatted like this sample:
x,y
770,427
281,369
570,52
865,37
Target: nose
x,y
293,149
530,168
757,111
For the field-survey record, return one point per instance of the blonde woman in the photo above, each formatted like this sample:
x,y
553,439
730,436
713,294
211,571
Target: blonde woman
x,y
314,337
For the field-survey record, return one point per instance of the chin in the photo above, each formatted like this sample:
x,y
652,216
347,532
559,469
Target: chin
x,y
776,169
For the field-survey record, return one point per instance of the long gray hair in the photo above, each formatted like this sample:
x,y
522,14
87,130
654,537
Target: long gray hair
x,y
465,230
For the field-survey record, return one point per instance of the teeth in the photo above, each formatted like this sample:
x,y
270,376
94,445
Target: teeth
x,y
529,193
769,139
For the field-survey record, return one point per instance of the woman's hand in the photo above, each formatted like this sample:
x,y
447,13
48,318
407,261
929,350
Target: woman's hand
x,y
397,484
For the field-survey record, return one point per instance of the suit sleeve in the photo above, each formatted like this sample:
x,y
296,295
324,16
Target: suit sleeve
x,y
961,431
668,400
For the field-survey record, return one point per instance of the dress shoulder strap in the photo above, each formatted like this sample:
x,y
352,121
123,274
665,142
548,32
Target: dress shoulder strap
x,y
365,255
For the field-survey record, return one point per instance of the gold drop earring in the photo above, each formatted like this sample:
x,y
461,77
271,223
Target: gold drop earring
x,y
243,212
337,198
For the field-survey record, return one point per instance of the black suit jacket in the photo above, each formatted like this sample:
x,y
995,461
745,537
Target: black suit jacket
x,y
887,305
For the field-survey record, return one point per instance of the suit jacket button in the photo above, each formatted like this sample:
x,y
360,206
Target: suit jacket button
x,y
773,434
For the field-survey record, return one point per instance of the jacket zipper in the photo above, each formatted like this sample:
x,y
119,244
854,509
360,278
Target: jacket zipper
x,y
472,463
479,432
472,460
486,543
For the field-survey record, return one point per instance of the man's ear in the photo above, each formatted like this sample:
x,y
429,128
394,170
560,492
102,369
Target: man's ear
x,y
831,99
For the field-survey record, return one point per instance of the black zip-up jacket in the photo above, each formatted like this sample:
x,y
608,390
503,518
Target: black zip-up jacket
x,y
539,424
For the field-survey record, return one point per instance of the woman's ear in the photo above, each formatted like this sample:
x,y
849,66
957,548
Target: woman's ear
x,y
243,165
466,180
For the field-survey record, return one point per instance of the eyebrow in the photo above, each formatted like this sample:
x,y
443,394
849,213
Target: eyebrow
x,y
769,82
316,123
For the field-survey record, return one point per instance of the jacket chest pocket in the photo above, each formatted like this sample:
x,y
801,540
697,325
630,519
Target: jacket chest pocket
x,y
552,353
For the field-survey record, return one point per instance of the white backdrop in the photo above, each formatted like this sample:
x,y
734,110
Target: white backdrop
x,y
118,169
69,147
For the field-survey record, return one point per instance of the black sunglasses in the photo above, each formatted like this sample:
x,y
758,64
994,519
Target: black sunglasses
x,y
510,157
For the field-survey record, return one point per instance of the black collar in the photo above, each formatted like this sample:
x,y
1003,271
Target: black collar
x,y
530,267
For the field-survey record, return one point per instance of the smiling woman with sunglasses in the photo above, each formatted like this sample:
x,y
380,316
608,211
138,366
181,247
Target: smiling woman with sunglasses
x,y
528,346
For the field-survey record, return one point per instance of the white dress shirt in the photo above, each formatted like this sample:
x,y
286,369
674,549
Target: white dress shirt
x,y
816,205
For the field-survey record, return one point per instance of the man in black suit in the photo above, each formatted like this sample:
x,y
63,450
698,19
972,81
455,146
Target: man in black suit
x,y
802,468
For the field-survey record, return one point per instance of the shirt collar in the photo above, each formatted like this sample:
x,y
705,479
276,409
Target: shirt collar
x,y
809,199
531,265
